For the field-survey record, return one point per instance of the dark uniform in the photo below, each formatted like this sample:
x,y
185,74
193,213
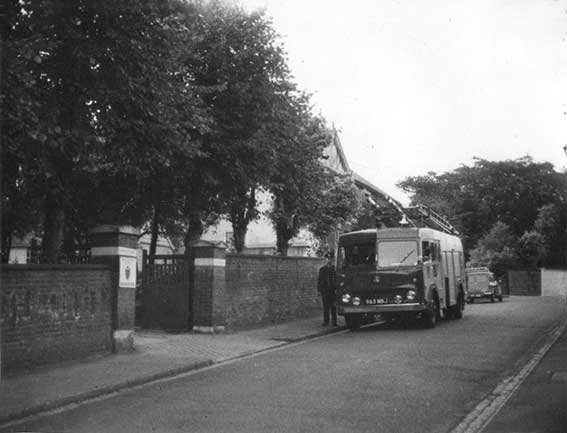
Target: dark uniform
x,y
326,285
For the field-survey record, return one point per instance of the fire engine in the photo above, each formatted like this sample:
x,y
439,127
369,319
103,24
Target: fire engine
x,y
400,272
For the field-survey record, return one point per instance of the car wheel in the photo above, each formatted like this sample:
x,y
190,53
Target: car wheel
x,y
352,321
491,298
500,298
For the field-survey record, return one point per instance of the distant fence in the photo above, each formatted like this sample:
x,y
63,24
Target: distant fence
x,y
538,282
81,255
52,313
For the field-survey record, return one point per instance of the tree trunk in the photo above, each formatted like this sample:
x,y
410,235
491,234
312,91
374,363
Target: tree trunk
x,y
53,229
283,236
154,234
282,244
194,232
243,211
239,234
6,245
239,228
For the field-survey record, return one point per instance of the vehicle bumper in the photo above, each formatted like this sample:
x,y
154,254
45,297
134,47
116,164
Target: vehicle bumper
x,y
480,295
382,308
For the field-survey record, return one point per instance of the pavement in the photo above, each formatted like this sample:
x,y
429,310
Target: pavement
x,y
540,399
156,355
540,402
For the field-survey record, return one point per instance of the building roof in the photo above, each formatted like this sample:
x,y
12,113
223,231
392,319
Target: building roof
x,y
334,156
336,161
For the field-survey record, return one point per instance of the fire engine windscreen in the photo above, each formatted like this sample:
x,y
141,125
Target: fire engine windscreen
x,y
357,255
397,253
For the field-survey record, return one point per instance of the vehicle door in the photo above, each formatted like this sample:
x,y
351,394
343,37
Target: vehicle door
x,y
432,275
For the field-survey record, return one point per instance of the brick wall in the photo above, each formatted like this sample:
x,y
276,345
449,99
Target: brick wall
x,y
267,289
52,313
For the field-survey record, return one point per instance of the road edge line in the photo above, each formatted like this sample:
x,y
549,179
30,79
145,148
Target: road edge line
x,y
489,407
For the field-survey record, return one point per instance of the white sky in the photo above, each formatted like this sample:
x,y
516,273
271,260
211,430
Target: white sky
x,y
416,86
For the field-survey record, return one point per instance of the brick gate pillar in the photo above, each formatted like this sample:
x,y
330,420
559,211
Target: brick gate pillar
x,y
209,282
117,247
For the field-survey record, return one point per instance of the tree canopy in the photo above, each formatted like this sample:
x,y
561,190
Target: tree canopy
x,y
526,197
166,114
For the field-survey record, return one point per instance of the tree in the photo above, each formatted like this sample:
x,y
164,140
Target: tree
x,y
496,250
475,198
298,177
551,225
242,61
532,249
95,92
336,207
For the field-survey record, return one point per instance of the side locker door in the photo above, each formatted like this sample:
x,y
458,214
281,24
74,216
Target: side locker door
x,y
460,273
447,277
456,264
438,270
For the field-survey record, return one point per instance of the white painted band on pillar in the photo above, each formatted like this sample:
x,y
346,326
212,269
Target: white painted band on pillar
x,y
114,251
210,261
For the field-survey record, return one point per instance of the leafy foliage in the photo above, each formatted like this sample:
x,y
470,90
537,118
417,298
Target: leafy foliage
x,y
161,114
298,177
241,60
335,208
94,92
523,195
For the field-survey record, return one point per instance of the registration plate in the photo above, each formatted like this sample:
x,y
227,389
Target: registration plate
x,y
376,301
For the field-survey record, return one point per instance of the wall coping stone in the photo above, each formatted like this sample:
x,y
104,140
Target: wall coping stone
x,y
54,267
266,257
108,228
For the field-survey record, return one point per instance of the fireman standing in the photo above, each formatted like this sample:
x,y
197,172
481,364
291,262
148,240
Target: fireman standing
x,y
326,285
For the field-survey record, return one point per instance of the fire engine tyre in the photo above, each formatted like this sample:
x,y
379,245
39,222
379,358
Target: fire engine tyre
x,y
430,316
500,298
352,321
457,310
491,298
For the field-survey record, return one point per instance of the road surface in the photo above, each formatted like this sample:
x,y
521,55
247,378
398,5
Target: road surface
x,y
378,379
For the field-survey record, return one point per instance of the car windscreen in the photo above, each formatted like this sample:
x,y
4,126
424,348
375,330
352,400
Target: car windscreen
x,y
397,253
478,278
353,255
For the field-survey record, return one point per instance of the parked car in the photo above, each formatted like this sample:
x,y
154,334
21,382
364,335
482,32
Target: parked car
x,y
481,284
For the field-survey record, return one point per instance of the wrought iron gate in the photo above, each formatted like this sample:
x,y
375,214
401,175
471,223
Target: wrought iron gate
x,y
166,301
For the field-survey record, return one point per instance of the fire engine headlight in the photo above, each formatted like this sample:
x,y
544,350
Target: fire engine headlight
x,y
356,301
410,295
346,298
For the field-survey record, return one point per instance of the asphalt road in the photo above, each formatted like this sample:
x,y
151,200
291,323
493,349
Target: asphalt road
x,y
379,379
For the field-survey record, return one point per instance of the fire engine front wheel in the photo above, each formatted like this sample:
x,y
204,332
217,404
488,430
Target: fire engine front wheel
x,y
352,321
432,314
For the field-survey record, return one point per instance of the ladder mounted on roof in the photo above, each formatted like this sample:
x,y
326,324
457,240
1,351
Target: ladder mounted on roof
x,y
431,219
411,216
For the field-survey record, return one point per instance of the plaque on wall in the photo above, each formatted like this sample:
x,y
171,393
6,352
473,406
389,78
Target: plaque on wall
x,y
127,272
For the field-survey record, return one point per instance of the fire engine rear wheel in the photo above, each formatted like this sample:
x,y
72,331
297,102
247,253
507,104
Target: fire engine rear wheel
x,y
459,307
352,321
492,298
500,298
